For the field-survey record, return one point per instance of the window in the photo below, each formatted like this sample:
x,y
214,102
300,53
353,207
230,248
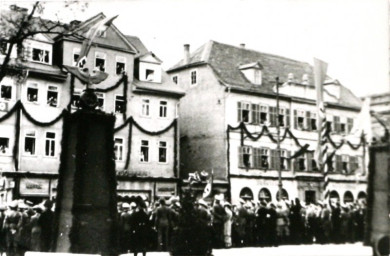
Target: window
x,y
353,163
162,152
245,157
100,98
299,164
145,107
40,55
311,162
50,144
163,108
329,125
118,149
263,114
52,96
29,143
119,104
100,61
76,56
345,164
244,112
76,98
149,75
32,93
299,119
144,152
349,124
120,65
6,92
285,161
264,155
4,145
312,121
281,117
3,47
175,79
193,77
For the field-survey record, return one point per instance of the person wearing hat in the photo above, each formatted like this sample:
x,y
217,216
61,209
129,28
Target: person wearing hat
x,y
260,231
241,223
140,228
204,219
46,222
219,215
12,222
124,224
35,234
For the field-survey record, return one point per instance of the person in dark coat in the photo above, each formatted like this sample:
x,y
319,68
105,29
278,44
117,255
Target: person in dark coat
x,y
297,225
261,218
124,223
219,215
140,228
12,223
241,223
336,221
271,225
46,223
162,223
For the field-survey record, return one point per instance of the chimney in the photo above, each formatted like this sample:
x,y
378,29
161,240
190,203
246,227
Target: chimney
x,y
186,54
242,45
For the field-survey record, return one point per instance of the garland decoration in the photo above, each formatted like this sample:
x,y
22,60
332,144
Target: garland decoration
x,y
71,91
130,122
15,150
43,124
116,85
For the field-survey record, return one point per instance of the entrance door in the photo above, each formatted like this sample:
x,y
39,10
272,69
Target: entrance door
x,y
310,196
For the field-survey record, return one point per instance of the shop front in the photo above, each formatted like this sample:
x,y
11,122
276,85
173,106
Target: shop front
x,y
35,190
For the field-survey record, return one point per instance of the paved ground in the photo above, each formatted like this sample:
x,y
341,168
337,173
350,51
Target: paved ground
x,y
291,250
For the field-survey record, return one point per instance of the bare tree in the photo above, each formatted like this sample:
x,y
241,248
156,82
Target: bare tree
x,y
18,24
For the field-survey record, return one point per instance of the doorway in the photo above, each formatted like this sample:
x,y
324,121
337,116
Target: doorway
x,y
310,197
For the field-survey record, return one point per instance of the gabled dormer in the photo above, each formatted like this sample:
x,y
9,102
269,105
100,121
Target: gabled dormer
x,y
148,68
252,72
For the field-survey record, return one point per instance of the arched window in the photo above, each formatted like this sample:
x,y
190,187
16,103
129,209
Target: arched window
x,y
284,195
246,194
348,197
334,196
265,195
362,195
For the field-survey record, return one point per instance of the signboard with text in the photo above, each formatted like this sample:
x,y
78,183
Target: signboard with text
x,y
165,190
34,187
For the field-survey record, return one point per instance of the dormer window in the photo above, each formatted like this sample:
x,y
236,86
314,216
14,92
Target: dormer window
x,y
149,74
149,68
290,78
305,79
252,72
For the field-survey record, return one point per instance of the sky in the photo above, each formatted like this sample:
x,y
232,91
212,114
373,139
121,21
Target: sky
x,y
352,36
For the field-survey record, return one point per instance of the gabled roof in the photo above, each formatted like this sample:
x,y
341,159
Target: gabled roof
x,y
226,60
154,57
138,45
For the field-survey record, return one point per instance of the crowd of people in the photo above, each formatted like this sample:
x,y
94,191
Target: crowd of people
x,y
246,224
144,227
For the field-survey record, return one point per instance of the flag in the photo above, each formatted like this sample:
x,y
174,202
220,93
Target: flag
x,y
319,70
209,186
100,26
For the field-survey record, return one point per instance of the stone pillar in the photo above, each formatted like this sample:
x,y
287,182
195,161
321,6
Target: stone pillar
x,y
86,211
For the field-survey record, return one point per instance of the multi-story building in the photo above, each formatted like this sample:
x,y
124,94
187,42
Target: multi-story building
x,y
380,104
145,106
228,125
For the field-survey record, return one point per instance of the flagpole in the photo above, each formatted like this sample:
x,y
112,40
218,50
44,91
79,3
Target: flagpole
x,y
278,163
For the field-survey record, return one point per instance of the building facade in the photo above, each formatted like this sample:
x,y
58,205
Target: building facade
x,y
228,125
137,91
380,105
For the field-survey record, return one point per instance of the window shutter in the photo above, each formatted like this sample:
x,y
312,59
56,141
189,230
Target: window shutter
x,y
295,119
255,158
339,163
308,121
255,114
350,124
329,162
309,157
336,123
239,112
288,161
273,159
272,116
287,117
240,157
296,164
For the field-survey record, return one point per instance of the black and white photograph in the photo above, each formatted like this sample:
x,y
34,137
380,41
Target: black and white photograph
x,y
195,127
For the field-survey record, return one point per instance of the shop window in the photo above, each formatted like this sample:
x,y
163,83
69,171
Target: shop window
x,y
4,145
245,157
149,75
100,98
100,61
50,144
244,112
118,149
52,96
175,79
163,108
76,98
32,93
120,65
6,92
29,143
40,55
193,77
145,107
162,152
119,104
144,152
